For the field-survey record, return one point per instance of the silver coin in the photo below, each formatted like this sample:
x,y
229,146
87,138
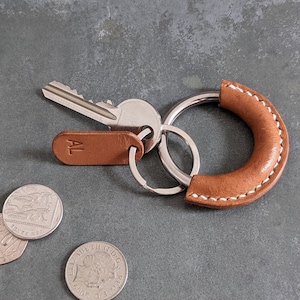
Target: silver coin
x,y
96,271
11,247
32,211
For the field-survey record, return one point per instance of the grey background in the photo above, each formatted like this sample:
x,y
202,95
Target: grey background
x,y
159,51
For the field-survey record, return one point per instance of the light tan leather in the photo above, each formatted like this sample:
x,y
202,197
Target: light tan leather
x,y
96,147
266,164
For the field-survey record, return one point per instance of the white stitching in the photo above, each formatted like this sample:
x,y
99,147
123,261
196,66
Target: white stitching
x,y
206,198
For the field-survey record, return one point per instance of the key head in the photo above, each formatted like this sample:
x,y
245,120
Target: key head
x,y
137,114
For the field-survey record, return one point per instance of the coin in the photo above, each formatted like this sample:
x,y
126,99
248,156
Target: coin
x,y
11,247
32,211
96,270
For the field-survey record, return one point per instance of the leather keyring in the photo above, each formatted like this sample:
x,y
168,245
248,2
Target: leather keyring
x,y
266,164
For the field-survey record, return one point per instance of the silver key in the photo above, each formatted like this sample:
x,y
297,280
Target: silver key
x,y
132,114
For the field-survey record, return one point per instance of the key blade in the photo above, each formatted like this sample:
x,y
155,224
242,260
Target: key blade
x,y
62,94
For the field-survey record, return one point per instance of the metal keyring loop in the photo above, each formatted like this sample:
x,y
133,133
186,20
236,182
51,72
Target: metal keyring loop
x,y
196,160
179,175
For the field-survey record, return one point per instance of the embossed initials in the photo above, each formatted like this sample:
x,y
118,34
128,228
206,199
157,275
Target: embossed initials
x,y
74,146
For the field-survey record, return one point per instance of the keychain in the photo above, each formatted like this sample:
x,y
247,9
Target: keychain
x,y
258,175
137,126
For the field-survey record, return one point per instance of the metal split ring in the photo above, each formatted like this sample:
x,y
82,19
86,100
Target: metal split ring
x,y
168,162
179,175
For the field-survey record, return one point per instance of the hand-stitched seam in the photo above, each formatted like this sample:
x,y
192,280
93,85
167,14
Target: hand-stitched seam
x,y
252,191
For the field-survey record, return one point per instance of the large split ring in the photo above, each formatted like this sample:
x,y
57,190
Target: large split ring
x,y
261,171
176,111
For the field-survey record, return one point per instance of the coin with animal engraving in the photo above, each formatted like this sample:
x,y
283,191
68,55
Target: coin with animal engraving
x,y
32,211
11,247
96,270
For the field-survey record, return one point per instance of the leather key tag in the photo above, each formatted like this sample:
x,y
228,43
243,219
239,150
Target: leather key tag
x,y
96,147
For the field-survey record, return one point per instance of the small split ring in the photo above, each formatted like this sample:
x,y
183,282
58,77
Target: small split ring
x,y
169,163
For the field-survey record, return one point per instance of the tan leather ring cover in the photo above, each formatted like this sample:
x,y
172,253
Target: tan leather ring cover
x,y
96,147
262,171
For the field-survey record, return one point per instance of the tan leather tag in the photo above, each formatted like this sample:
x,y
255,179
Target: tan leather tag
x,y
96,147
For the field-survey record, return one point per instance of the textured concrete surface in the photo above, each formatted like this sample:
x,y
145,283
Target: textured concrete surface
x,y
159,51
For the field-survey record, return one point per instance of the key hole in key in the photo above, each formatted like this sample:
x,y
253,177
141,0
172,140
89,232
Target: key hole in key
x,y
148,136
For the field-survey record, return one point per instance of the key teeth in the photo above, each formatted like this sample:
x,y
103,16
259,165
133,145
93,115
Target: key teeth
x,y
66,87
63,95
74,92
106,105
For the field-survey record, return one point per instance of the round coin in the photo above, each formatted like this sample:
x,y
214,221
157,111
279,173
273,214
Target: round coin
x,y
32,211
11,247
96,271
